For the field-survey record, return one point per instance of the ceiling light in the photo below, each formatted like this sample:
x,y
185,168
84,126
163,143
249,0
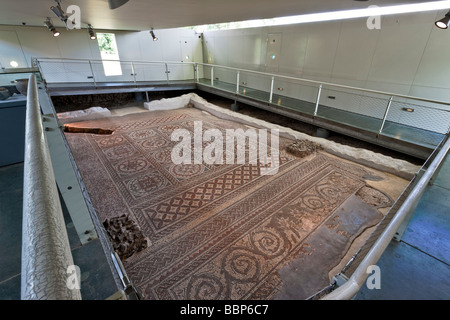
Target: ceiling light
x,y
444,22
113,4
59,12
371,11
91,32
48,23
153,35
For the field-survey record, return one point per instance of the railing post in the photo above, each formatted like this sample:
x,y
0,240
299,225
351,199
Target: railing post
x,y
385,114
167,72
92,71
212,77
316,109
196,72
237,82
271,89
134,73
46,255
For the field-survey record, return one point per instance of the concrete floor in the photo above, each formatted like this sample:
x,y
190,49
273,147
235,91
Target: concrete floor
x,y
97,282
417,267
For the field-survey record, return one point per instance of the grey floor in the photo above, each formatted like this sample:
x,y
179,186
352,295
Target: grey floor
x,y
97,282
417,267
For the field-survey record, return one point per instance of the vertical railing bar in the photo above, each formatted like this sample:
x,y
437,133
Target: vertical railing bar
x,y
92,71
237,82
316,109
212,76
167,73
133,72
385,115
271,89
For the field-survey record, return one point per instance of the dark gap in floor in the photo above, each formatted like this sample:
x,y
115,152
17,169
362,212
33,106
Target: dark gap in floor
x,y
72,129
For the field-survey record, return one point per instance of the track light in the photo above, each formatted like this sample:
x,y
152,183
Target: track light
x,y
48,23
153,35
91,32
113,4
59,12
444,22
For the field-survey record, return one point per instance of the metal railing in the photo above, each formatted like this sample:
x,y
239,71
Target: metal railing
x,y
64,70
321,99
382,113
46,254
351,287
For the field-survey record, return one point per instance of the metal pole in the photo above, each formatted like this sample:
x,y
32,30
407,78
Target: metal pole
x,y
212,77
237,82
385,115
92,71
317,100
46,255
271,89
167,73
134,74
196,72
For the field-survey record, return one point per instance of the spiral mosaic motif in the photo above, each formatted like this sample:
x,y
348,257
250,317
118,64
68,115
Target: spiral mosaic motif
x,y
204,287
268,243
241,265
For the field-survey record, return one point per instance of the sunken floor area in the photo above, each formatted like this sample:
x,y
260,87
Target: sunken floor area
x,y
224,231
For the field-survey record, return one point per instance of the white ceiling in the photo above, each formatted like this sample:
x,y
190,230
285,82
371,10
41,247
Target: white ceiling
x,y
161,14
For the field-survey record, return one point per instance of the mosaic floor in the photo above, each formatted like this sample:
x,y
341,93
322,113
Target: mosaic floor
x,y
223,231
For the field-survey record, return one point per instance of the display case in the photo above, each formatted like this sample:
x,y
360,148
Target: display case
x,y
13,101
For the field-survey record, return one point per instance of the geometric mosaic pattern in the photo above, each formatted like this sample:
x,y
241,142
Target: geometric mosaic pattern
x,y
214,231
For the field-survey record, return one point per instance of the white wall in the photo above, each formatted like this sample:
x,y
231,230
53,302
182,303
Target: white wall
x,y
21,43
408,55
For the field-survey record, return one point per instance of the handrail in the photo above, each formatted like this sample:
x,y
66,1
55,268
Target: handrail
x,y
327,84
390,94
101,60
350,288
46,254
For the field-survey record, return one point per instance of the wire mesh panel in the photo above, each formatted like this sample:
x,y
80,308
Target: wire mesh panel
x,y
427,116
180,72
296,95
350,100
257,86
63,71
300,90
224,78
150,71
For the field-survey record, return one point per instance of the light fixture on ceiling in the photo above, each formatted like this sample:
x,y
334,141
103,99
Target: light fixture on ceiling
x,y
153,35
59,12
91,32
48,23
444,22
114,4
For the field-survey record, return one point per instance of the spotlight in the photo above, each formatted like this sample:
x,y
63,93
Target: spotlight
x,y
444,22
153,35
48,23
113,4
91,32
59,12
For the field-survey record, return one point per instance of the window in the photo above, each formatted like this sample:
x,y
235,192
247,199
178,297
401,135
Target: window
x,y
109,53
